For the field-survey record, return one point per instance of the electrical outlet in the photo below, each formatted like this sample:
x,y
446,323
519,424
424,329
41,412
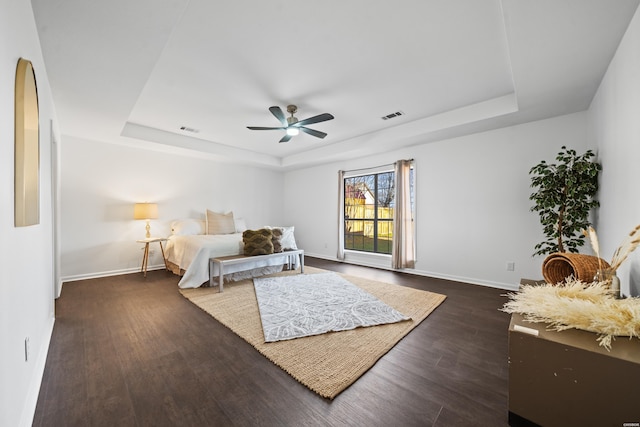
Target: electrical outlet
x,y
511,266
152,251
26,349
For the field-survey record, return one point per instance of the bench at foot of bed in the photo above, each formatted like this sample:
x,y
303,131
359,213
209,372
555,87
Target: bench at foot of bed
x,y
289,257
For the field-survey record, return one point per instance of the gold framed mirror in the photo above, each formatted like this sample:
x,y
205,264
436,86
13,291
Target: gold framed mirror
x,y
27,147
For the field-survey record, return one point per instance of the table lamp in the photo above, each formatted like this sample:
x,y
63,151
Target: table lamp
x,y
146,211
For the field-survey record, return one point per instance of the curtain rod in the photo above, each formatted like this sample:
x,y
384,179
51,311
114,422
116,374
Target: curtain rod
x,y
372,167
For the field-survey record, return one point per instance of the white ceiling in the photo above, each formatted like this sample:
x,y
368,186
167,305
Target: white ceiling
x,y
134,72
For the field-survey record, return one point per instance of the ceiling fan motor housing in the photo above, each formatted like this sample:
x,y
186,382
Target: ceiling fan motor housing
x,y
291,109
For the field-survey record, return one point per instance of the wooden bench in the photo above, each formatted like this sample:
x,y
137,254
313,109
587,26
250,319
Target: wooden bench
x,y
242,259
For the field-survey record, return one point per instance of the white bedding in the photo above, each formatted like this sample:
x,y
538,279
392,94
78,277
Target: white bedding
x,y
192,252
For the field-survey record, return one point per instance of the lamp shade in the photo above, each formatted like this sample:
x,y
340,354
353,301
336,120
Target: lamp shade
x,y
145,211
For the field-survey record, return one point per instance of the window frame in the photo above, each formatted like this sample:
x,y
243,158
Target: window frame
x,y
376,220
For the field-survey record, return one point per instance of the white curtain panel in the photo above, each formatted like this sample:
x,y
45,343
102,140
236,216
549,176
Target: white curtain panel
x,y
403,249
341,215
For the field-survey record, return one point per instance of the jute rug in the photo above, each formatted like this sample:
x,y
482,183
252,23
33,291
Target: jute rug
x,y
327,363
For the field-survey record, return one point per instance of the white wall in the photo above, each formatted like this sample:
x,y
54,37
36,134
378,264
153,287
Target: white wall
x,y
102,181
26,253
615,130
472,201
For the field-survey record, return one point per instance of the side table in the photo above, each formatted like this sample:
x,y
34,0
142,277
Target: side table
x,y
145,257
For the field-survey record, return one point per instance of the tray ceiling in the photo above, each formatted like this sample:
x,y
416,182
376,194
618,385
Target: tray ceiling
x,y
134,73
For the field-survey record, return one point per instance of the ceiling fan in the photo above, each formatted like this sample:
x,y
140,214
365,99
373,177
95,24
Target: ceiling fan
x,y
292,125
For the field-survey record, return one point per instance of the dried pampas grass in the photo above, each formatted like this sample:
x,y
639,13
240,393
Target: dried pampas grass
x,y
629,245
590,234
577,305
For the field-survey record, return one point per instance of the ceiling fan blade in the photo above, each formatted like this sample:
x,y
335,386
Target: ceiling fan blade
x,y
313,132
263,128
286,138
315,119
277,112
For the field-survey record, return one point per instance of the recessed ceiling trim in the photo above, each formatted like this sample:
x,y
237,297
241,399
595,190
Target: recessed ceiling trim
x,y
407,131
237,155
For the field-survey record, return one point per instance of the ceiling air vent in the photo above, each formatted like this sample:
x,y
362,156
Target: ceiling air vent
x,y
188,129
392,115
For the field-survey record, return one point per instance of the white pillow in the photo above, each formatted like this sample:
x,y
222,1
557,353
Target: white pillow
x,y
288,239
240,225
220,223
187,227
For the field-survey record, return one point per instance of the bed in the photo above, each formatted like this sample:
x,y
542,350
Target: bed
x,y
188,251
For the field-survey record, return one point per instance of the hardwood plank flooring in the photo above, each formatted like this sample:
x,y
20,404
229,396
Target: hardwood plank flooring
x,y
130,351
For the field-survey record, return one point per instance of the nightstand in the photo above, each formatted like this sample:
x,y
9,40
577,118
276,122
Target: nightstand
x,y
145,258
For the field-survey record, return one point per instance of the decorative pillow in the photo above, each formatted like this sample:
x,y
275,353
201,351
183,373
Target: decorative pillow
x,y
220,223
240,225
276,239
257,242
186,227
288,240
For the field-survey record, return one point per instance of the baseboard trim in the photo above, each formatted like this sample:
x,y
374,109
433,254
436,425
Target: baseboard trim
x,y
461,279
31,401
75,278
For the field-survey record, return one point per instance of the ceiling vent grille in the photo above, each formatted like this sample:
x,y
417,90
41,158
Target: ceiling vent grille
x,y
188,129
392,115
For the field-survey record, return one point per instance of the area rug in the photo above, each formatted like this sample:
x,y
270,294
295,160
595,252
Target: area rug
x,y
327,363
312,304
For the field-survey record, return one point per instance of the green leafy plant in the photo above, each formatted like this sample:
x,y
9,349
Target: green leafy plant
x,y
565,195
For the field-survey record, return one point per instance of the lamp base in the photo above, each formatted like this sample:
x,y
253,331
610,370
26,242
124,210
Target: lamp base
x,y
148,228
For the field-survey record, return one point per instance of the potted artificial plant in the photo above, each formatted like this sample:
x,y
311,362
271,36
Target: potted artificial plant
x,y
564,196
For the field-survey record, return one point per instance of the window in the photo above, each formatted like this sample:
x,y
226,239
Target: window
x,y
368,212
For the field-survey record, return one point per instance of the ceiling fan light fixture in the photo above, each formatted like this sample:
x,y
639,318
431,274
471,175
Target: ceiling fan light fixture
x,y
293,131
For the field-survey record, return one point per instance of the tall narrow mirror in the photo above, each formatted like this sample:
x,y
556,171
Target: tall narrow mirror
x,y
27,147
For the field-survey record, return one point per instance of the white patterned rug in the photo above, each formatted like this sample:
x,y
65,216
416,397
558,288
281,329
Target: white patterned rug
x,y
313,304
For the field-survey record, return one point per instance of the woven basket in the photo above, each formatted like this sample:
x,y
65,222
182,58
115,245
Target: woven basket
x,y
559,266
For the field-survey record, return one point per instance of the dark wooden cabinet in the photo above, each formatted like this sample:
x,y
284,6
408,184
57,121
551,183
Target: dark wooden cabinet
x,y
566,379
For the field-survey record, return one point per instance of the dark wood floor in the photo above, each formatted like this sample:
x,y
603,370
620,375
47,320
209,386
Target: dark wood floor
x,y
129,351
